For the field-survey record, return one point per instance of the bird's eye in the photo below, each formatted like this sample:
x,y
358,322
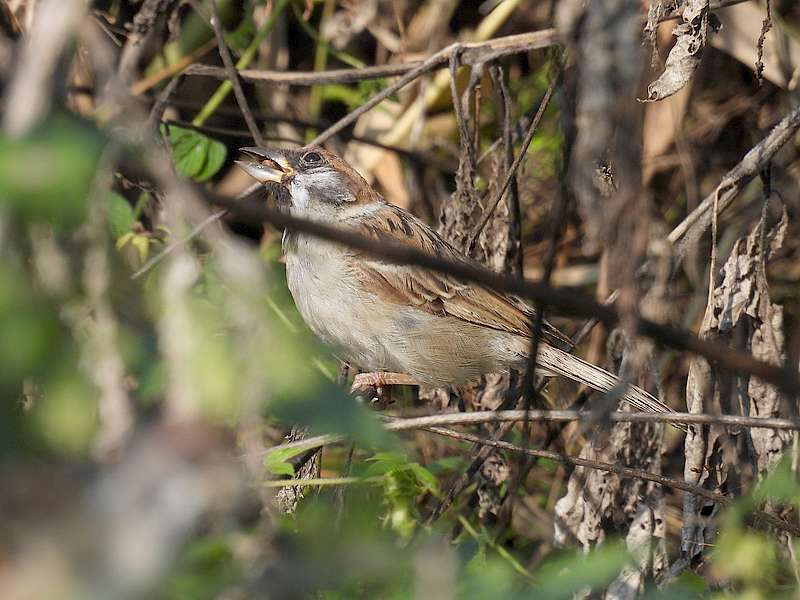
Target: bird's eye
x,y
312,158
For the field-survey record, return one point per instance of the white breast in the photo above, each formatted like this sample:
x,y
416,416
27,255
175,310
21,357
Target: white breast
x,y
332,305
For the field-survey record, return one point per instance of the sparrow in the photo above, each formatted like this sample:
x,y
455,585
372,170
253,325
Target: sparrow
x,y
410,324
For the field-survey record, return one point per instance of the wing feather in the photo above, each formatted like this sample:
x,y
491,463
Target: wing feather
x,y
433,292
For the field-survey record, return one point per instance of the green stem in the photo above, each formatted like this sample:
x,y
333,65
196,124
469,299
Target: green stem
x,y
246,58
515,564
320,60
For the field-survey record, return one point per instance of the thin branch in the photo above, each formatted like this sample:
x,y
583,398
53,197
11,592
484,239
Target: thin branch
x,y
622,471
473,53
692,227
563,416
500,416
197,230
677,484
233,77
307,78
162,100
244,59
514,166
470,53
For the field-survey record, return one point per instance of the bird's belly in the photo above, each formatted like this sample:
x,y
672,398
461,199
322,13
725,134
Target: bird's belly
x,y
340,315
378,336
439,350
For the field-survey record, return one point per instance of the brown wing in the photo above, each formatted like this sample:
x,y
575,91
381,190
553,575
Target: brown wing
x,y
437,293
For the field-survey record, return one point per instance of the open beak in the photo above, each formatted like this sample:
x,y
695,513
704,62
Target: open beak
x,y
265,165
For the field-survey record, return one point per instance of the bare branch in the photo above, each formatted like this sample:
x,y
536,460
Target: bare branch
x,y
500,416
472,53
469,54
692,227
230,69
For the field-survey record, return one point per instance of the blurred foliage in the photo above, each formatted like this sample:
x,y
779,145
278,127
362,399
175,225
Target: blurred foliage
x,y
46,175
213,327
403,481
206,569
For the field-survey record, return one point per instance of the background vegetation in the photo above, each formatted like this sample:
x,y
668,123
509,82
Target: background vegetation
x,y
170,429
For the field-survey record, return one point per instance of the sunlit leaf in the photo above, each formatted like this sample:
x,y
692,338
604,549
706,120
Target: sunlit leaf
x,y
276,461
194,155
138,242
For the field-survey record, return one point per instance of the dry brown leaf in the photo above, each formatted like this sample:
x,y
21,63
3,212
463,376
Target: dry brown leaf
x,y
739,311
684,57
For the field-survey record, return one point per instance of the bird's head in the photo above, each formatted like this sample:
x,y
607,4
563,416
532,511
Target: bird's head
x,y
320,184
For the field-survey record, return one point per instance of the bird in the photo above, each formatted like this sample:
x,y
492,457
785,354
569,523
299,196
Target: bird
x,y
404,323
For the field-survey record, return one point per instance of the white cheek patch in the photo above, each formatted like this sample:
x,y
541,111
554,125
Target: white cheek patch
x,y
304,187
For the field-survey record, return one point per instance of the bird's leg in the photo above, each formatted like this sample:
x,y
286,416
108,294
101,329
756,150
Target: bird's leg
x,y
379,381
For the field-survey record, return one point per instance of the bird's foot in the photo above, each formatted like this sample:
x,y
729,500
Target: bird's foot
x,y
375,386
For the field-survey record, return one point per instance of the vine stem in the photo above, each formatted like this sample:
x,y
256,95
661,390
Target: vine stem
x,y
245,59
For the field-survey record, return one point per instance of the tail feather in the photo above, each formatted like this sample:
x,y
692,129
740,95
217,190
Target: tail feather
x,y
555,361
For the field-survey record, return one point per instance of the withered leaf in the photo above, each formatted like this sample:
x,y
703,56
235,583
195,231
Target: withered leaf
x,y
684,58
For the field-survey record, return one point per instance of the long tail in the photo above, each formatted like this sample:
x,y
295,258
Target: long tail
x,y
558,362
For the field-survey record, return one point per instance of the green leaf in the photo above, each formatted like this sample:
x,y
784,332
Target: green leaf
x,y
779,485
561,577
120,215
46,175
324,407
385,462
215,158
276,461
425,478
745,557
138,242
29,331
347,95
207,568
194,155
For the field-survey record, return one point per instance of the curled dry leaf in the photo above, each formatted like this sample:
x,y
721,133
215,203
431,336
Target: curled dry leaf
x,y
646,543
597,502
739,311
741,38
684,57
742,301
